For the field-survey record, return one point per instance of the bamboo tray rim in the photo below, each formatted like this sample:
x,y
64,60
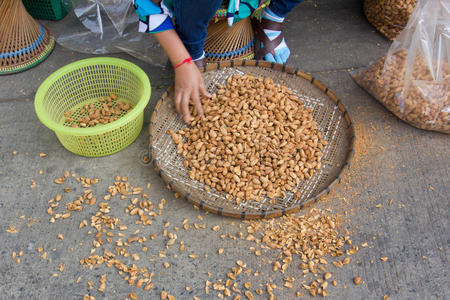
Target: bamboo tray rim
x,y
224,211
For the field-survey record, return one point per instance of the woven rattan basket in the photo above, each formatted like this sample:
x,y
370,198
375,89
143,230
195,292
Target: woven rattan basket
x,y
225,43
328,111
24,43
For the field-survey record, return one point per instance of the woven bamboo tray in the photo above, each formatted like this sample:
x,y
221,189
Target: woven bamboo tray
x,y
328,111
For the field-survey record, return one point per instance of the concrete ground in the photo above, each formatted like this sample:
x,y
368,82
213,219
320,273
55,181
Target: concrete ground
x,y
395,197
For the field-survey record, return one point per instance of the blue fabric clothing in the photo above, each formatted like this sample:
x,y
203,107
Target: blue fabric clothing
x,y
153,18
241,9
282,7
192,17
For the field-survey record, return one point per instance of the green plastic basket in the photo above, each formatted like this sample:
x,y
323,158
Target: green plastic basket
x,y
46,9
84,82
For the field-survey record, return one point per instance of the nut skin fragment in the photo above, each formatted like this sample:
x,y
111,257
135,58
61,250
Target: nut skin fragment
x,y
357,280
249,295
133,296
327,275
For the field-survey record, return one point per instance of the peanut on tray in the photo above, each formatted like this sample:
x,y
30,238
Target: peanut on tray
x,y
256,139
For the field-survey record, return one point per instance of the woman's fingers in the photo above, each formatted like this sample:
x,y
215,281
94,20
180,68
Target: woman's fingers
x,y
185,107
189,85
177,99
203,90
197,102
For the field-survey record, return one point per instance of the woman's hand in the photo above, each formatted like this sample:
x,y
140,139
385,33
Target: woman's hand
x,y
188,80
189,85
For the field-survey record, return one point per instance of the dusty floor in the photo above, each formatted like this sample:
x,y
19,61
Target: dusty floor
x,y
395,197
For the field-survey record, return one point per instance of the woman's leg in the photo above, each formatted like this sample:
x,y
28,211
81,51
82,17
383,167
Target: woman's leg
x,y
191,19
282,7
271,25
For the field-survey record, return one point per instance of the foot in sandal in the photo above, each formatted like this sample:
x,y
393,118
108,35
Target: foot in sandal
x,y
269,31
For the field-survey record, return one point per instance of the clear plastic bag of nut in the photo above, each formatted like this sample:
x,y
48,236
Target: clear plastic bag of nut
x,y
412,80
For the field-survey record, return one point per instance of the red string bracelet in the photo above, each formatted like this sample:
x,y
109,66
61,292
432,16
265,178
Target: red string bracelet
x,y
187,60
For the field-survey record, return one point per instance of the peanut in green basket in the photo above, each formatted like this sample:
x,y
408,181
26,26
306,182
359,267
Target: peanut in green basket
x,y
83,82
99,111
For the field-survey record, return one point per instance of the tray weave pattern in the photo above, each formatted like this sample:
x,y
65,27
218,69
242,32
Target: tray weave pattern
x,y
328,111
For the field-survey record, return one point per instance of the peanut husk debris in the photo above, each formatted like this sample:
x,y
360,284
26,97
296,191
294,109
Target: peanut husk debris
x,y
256,140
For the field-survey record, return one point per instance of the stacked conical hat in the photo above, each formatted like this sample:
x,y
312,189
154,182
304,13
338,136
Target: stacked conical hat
x,y
24,42
226,43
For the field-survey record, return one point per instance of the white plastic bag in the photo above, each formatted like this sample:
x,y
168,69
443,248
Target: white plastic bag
x,y
413,79
106,26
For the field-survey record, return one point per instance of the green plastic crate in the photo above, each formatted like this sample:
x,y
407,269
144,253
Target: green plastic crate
x,y
46,9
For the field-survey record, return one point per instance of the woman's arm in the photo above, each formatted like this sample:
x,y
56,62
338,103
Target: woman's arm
x,y
188,80
155,18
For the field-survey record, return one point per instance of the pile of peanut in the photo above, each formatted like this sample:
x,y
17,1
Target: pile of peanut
x,y
105,111
256,139
308,243
389,16
311,239
421,101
